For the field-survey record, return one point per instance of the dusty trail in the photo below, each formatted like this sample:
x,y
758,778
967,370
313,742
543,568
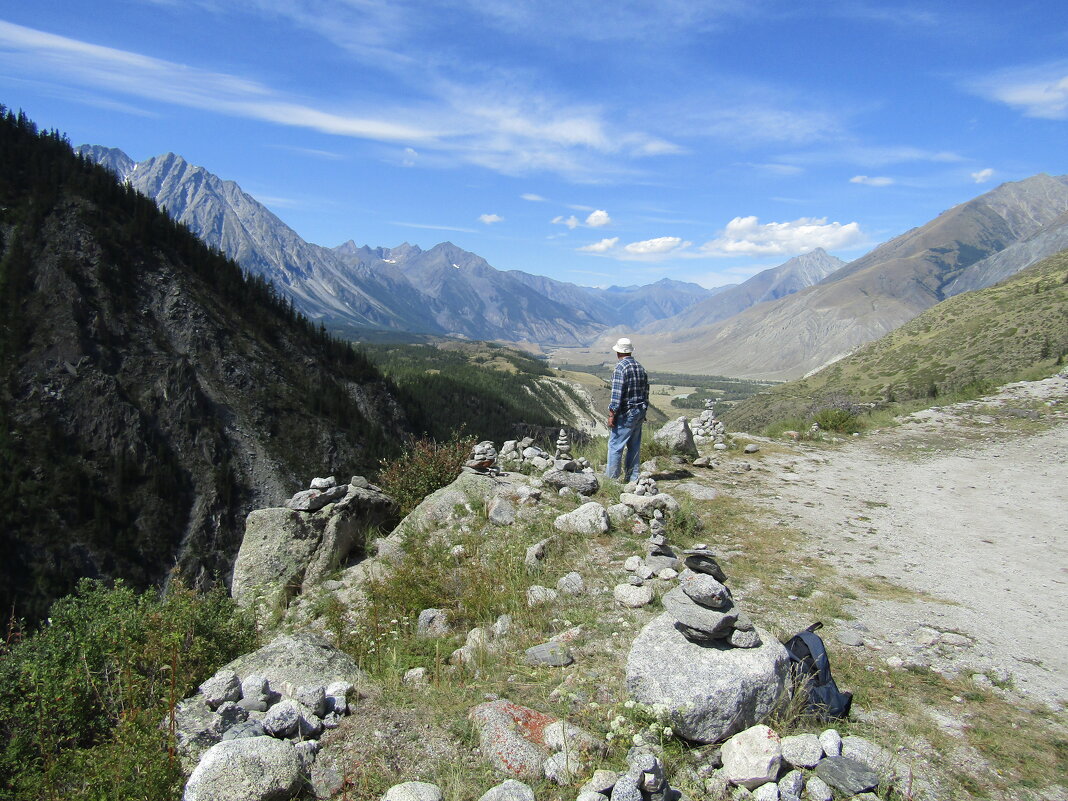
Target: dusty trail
x,y
961,506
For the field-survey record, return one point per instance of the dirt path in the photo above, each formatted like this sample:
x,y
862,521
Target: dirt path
x,y
966,506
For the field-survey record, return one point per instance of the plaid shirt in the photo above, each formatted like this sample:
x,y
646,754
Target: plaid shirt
x,y
630,386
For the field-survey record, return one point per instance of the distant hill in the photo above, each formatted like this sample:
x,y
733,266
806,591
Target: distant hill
x,y
981,339
778,282
150,393
352,288
865,299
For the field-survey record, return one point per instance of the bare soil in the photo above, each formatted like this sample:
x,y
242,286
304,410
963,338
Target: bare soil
x,y
964,506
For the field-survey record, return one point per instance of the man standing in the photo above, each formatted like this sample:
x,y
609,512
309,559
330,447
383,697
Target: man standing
x,y
626,412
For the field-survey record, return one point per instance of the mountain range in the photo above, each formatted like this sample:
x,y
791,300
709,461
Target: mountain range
x,y
351,288
779,324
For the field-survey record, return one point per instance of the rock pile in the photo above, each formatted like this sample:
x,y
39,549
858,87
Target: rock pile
x,y
277,702
703,608
816,766
563,445
707,430
483,459
645,485
524,452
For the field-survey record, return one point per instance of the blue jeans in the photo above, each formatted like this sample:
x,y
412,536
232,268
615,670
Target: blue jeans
x,y
627,435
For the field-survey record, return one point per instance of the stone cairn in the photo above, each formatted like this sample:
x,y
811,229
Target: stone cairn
x,y
524,452
702,605
483,459
563,445
645,485
707,430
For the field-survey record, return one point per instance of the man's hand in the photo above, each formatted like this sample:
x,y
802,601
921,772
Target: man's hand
x,y
611,419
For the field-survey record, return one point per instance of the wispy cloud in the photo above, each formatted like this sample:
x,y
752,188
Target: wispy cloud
x,y
1037,91
500,128
749,237
656,249
490,219
533,198
871,180
598,218
983,176
604,246
329,155
870,156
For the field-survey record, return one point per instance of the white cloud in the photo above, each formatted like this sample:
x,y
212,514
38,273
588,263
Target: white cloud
x,y
983,176
598,219
410,155
870,156
603,246
871,180
747,236
532,197
433,227
660,246
571,222
490,219
1037,91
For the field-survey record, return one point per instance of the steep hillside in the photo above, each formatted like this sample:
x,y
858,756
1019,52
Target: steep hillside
x,y
792,276
150,394
868,297
979,339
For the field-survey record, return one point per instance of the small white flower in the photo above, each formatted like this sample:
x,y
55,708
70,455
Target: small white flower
x,y
628,704
668,732
637,739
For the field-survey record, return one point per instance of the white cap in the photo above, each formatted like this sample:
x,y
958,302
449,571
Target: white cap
x,y
623,345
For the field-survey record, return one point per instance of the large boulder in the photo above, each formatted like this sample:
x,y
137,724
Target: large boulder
x,y
711,691
590,518
291,661
246,769
285,551
512,737
581,482
677,436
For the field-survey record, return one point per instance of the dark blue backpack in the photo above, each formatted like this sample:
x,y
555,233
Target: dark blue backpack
x,y
812,671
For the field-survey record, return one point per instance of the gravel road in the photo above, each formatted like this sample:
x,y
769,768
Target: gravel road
x,y
965,505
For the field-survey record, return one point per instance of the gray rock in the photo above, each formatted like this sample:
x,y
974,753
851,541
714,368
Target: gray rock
x,y
791,784
509,790
590,519
231,713
849,637
323,483
571,584
703,561
879,759
416,677
802,750
711,692
677,436
501,512
714,623
619,513
284,552
553,654
588,795
752,447
741,638
535,553
704,589
312,500
432,623
538,595
847,775
283,719
197,728
633,597
255,693
658,562
223,686
645,505
312,697
753,757
337,696
831,742
566,737
601,782
248,728
699,492
413,791
582,483
766,792
360,482
563,768
816,789
246,769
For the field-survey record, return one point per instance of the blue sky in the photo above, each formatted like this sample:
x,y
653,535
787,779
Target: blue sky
x,y
594,142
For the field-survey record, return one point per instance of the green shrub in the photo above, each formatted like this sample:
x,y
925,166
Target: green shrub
x,y
425,465
89,689
841,421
